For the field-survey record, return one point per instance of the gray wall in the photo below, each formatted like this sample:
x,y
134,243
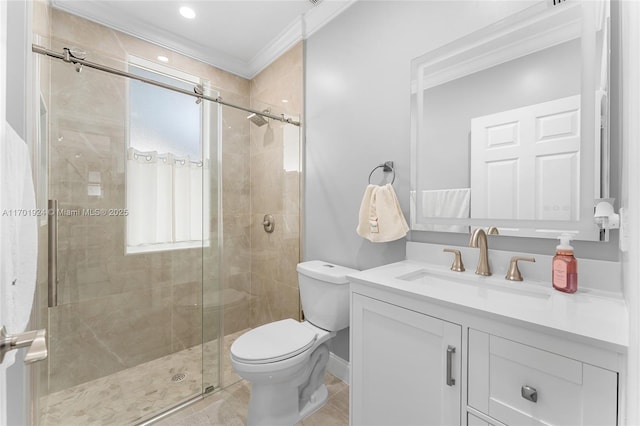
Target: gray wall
x,y
357,116
357,112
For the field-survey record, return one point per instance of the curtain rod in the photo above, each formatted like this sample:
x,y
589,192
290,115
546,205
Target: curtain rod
x,y
197,92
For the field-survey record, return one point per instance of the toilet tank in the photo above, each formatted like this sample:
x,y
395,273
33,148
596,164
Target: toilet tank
x,y
324,293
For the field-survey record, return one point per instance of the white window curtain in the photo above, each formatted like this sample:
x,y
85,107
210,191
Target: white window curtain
x,y
166,195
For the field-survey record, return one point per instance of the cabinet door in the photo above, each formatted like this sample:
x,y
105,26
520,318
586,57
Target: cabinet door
x,y
405,366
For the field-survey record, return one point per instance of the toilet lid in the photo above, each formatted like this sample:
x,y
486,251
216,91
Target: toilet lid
x,y
273,342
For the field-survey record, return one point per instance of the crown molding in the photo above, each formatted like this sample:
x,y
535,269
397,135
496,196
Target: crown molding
x,y
301,28
324,13
279,45
97,12
304,26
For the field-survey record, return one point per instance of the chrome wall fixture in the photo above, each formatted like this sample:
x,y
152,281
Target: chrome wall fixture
x,y
268,223
68,56
387,167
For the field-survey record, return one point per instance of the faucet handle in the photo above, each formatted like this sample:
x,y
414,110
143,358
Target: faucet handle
x,y
513,274
457,264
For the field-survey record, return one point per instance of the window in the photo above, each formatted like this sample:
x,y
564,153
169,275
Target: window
x,y
167,163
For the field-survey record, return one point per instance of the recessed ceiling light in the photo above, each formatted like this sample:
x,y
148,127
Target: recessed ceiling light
x,y
163,58
284,101
187,12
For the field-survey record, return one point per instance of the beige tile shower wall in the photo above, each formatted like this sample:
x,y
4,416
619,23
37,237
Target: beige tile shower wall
x,y
275,191
236,205
117,311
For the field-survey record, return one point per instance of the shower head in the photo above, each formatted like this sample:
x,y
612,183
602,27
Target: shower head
x,y
256,119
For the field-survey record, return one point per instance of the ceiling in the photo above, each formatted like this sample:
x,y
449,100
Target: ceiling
x,y
239,36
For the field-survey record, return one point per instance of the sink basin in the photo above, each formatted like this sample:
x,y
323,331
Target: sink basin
x,y
469,279
415,275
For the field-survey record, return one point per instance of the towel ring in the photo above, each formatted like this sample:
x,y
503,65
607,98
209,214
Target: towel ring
x,y
386,167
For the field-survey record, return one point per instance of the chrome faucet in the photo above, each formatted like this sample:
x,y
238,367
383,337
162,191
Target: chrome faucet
x,y
479,240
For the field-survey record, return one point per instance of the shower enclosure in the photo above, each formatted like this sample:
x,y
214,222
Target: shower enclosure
x,y
153,241
137,246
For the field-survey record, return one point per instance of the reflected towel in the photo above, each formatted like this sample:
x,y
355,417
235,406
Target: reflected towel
x,y
381,219
19,235
450,203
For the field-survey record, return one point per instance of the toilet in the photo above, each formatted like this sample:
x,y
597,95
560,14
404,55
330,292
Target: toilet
x,y
285,360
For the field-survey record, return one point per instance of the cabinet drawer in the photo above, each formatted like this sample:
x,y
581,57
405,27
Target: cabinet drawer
x,y
476,421
519,384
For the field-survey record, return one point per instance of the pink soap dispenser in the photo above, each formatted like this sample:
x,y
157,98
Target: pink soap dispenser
x,y
565,267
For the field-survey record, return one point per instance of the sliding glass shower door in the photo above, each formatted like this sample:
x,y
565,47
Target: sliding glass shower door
x,y
133,171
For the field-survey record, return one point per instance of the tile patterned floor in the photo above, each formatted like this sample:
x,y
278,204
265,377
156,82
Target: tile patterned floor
x,y
229,408
137,393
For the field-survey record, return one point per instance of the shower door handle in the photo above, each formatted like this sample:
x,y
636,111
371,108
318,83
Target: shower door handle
x,y
52,214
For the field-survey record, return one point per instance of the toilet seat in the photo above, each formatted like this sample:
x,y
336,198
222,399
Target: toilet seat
x,y
273,342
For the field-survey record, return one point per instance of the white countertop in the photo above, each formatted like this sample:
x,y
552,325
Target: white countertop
x,y
589,313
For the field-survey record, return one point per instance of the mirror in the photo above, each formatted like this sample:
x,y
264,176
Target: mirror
x,y
508,125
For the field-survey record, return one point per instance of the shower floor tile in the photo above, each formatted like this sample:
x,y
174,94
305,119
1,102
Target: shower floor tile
x,y
137,393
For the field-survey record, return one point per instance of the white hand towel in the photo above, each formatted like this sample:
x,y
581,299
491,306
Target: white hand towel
x,y
448,203
364,225
19,235
381,219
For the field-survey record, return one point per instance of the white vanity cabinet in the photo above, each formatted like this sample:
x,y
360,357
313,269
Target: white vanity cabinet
x,y
406,366
428,351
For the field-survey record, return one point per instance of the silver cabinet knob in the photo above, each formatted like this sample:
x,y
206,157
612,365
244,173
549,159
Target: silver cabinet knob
x,y
529,393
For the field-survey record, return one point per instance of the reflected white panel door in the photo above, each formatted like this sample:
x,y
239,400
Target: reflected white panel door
x,y
525,162
399,361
